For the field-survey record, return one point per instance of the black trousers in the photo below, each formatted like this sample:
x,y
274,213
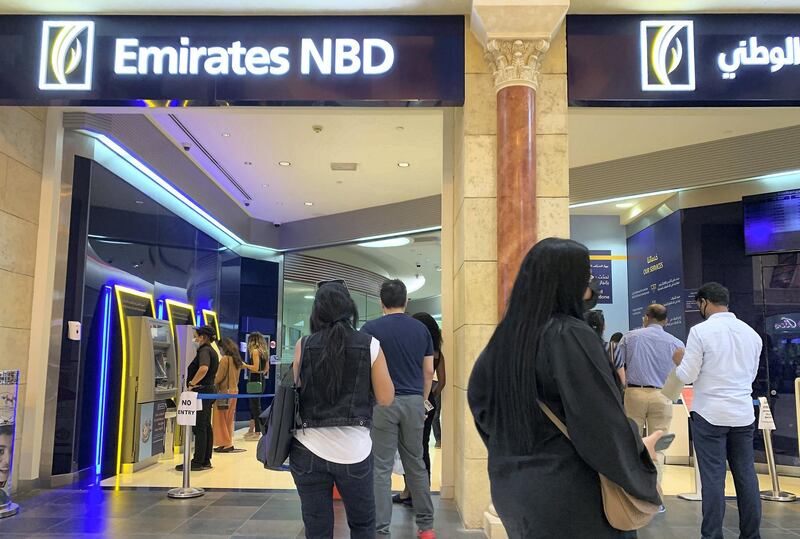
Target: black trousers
x,y
203,436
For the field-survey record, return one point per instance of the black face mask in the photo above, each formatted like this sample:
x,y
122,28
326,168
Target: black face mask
x,y
704,310
591,303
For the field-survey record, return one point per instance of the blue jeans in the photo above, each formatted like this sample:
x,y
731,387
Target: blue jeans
x,y
315,478
713,446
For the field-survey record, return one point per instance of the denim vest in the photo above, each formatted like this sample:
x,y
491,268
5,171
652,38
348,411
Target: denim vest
x,y
353,406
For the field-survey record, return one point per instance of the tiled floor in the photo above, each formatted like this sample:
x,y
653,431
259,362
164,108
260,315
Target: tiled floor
x,y
273,515
149,513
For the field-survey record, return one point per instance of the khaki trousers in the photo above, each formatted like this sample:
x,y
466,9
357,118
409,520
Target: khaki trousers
x,y
649,408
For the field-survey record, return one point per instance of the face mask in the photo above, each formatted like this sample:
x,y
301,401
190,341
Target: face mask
x,y
196,343
703,309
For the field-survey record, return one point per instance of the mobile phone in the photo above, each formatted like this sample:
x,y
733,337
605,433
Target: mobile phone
x,y
665,441
428,406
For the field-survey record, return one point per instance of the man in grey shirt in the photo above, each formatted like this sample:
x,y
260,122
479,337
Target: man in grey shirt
x,y
648,354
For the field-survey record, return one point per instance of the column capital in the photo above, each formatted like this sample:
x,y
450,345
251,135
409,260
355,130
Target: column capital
x,y
516,62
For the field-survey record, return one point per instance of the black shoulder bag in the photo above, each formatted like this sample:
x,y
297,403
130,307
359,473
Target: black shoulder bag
x,y
283,419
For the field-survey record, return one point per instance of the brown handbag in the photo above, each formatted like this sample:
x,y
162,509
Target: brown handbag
x,y
623,511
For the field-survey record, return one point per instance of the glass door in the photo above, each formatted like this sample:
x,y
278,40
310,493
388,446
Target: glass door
x,y
780,284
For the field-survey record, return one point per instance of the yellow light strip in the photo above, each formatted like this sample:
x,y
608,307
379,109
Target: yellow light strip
x,y
210,317
119,290
170,303
608,257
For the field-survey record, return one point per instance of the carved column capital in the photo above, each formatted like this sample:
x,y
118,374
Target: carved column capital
x,y
516,62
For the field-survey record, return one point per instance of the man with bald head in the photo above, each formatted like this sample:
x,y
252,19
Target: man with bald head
x,y
648,355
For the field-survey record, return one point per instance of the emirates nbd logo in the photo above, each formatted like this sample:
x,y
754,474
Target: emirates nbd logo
x,y
66,55
667,54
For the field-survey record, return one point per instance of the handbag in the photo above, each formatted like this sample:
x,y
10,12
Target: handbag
x,y
224,404
623,511
283,419
255,388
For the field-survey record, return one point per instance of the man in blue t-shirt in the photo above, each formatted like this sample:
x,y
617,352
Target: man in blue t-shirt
x,y
408,348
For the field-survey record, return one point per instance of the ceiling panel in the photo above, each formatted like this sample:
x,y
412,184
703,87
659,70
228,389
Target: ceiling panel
x,y
250,144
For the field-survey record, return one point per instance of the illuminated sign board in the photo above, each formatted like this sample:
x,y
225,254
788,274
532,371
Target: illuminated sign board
x,y
183,61
701,60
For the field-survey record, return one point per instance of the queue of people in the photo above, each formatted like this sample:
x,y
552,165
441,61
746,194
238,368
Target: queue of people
x,y
365,396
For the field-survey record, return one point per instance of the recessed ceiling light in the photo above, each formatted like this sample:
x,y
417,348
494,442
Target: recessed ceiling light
x,y
140,201
403,164
308,203
390,242
625,205
226,135
248,163
412,285
308,297
285,163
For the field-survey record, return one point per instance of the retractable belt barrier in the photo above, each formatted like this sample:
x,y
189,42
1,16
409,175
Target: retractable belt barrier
x,y
186,490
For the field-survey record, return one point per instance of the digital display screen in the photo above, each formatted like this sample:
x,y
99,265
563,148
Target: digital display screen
x,y
772,222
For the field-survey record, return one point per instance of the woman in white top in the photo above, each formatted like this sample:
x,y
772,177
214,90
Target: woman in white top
x,y
341,373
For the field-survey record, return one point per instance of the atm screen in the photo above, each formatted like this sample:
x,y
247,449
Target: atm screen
x,y
160,334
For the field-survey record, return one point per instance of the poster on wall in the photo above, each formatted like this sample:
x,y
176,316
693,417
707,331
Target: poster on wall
x,y
159,426
8,412
152,429
145,431
600,262
655,273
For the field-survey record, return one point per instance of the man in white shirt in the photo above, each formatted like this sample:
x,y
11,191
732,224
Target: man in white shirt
x,y
721,360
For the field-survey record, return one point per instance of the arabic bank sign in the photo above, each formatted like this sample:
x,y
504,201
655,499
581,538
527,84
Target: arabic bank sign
x,y
695,60
213,60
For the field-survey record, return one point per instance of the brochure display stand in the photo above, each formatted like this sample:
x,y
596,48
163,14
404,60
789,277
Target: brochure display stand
x,y
9,386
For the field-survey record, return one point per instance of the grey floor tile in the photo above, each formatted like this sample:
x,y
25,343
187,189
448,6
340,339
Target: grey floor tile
x,y
177,511
227,511
80,526
17,524
272,529
242,499
147,526
216,526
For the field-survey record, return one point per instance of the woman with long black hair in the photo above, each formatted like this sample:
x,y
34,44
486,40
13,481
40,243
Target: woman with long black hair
x,y
544,485
340,371
258,350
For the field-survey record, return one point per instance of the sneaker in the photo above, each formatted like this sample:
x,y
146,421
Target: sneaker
x,y
662,510
230,449
206,466
194,467
404,501
426,534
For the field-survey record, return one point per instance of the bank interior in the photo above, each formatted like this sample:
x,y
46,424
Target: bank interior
x,y
356,194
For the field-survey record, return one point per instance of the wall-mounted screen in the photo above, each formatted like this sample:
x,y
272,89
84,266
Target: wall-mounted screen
x,y
772,222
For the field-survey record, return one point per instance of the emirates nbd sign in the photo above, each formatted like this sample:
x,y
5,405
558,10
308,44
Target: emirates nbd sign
x,y
684,60
340,57
131,61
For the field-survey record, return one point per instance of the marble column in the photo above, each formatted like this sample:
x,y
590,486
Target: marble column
x,y
516,65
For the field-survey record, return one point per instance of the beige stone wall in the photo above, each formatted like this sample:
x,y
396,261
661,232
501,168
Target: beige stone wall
x,y
475,270
21,151
552,160
475,237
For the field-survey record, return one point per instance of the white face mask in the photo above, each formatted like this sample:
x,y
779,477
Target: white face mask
x,y
196,343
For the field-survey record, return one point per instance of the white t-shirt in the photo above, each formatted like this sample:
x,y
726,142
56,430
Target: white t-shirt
x,y
342,445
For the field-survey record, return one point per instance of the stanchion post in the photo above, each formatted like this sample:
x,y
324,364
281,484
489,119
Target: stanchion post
x,y
774,495
186,491
767,424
